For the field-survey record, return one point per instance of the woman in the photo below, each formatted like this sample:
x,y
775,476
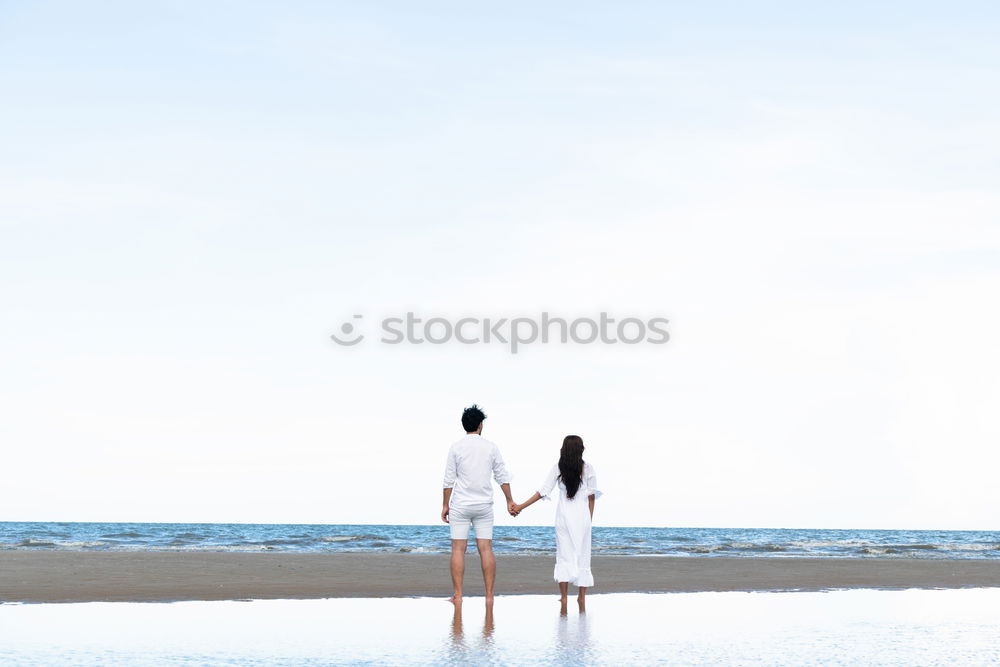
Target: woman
x,y
577,484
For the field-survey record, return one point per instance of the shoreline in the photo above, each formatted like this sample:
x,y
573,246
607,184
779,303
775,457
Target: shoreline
x,y
78,576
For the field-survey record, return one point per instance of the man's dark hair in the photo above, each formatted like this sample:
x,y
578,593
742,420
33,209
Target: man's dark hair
x,y
472,417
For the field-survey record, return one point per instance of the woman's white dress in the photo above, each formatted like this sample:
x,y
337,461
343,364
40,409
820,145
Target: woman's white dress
x,y
572,526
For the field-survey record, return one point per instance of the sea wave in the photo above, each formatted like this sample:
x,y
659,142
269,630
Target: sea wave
x,y
753,546
702,548
350,538
615,547
288,540
211,547
734,547
32,542
813,544
970,547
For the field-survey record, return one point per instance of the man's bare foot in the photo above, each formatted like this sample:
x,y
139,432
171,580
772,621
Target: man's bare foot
x,y
489,601
456,598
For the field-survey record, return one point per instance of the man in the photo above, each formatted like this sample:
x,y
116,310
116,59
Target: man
x,y
468,499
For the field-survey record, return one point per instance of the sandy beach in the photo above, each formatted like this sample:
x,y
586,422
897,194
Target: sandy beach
x,y
51,576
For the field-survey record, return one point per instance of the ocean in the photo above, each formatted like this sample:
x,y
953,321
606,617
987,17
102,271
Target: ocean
x,y
342,538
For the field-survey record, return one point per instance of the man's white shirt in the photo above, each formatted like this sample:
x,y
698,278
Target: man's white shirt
x,y
471,462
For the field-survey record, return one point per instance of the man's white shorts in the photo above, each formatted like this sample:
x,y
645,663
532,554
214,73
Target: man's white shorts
x,y
481,518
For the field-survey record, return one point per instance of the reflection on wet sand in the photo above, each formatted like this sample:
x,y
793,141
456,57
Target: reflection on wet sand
x,y
572,644
458,646
488,625
902,628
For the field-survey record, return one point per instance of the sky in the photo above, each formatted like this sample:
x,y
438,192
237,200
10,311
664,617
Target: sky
x,y
195,196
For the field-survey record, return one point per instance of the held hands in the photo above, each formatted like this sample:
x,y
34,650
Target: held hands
x,y
512,507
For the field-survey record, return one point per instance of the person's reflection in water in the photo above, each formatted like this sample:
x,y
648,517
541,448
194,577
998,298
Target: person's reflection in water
x,y
572,646
457,649
488,625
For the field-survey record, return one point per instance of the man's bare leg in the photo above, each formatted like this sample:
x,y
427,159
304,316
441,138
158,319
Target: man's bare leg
x,y
581,599
563,592
489,563
457,568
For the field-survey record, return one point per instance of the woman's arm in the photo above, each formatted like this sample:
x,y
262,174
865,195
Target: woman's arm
x,y
530,501
590,501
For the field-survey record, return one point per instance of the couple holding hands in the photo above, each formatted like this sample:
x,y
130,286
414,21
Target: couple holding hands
x,y
468,501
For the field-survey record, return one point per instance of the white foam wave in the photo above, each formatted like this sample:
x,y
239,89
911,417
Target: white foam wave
x,y
969,547
191,547
707,549
350,538
808,544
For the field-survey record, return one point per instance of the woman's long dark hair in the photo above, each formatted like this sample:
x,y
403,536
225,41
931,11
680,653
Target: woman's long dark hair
x,y
571,463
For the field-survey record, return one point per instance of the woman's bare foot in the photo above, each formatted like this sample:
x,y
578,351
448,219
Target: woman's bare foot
x,y
456,598
582,602
489,601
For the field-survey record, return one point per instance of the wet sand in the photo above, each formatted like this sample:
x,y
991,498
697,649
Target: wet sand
x,y
77,576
